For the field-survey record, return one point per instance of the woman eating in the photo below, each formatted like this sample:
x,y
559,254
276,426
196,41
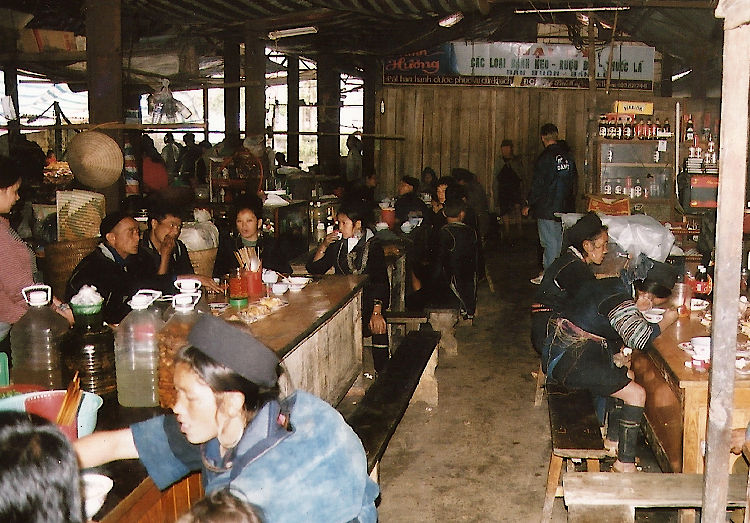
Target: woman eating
x,y
585,350
587,243
249,224
353,249
296,459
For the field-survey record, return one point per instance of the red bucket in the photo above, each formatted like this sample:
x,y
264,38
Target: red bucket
x,y
47,404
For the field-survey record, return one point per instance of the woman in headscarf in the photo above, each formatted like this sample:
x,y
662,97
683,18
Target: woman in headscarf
x,y
585,350
295,458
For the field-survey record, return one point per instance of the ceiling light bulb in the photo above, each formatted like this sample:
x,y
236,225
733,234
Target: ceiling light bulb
x,y
451,20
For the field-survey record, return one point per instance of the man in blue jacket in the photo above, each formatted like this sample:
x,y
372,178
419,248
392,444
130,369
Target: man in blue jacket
x,y
552,191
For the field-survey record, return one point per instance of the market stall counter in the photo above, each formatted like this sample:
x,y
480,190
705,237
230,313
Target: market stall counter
x,y
317,334
677,396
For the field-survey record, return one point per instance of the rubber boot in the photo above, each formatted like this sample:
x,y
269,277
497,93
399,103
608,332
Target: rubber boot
x,y
630,426
613,419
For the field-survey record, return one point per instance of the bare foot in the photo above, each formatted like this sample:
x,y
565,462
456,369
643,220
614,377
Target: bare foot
x,y
619,466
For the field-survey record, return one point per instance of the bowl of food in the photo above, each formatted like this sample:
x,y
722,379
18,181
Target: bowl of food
x,y
696,304
280,287
653,317
297,283
95,490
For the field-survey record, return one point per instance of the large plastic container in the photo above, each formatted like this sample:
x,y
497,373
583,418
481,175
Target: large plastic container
x,y
137,353
35,341
172,338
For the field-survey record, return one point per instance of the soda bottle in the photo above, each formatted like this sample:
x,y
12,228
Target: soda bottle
x,y
702,284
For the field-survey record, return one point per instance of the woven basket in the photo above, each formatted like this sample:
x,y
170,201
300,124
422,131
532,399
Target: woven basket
x,y
61,258
203,261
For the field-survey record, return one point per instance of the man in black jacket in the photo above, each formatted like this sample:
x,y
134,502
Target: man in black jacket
x,y
106,267
551,192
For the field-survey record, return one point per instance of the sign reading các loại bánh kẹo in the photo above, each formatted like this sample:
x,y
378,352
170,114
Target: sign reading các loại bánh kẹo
x,y
511,64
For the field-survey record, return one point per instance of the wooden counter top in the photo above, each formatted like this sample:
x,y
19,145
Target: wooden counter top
x,y
674,358
285,328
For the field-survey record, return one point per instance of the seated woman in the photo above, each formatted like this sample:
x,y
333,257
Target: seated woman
x,y
39,477
249,222
587,243
585,349
295,459
357,251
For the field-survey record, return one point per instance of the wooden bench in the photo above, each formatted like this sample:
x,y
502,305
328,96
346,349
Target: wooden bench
x,y
379,412
575,435
614,497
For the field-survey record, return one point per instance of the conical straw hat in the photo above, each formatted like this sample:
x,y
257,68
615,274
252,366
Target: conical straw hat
x,y
95,159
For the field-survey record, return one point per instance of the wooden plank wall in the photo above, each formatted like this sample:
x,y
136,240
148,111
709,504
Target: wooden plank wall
x,y
447,127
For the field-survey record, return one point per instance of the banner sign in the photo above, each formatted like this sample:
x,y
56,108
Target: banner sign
x,y
512,64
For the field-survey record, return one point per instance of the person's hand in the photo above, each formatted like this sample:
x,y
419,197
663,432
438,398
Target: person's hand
x,y
670,316
330,238
206,282
167,246
621,359
525,210
377,323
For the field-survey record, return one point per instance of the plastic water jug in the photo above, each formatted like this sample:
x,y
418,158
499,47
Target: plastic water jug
x,y
35,341
137,352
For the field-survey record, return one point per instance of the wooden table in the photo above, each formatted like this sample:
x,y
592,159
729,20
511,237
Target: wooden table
x,y
677,398
318,338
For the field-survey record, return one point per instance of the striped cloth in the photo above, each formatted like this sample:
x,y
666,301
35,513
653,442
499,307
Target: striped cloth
x,y
632,327
17,269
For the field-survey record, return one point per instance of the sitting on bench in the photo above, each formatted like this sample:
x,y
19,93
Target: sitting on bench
x,y
575,435
379,412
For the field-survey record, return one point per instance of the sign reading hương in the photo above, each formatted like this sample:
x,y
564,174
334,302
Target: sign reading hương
x,y
514,64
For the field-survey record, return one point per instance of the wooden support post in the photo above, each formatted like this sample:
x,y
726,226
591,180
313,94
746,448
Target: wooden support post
x,y
255,75
231,94
329,117
733,166
371,79
292,116
104,72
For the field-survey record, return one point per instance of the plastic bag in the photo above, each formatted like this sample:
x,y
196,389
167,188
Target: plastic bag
x,y
164,107
199,236
636,234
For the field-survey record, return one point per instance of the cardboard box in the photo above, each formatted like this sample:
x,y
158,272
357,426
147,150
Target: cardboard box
x,y
621,106
41,40
704,190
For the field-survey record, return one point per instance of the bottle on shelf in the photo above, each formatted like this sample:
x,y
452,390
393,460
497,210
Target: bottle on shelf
x,y
656,129
618,189
627,130
602,126
666,127
690,129
649,130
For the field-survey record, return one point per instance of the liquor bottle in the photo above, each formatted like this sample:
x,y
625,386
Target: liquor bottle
x,y
602,126
607,189
637,189
611,129
618,186
702,284
689,129
649,131
666,127
619,129
627,129
639,129
657,129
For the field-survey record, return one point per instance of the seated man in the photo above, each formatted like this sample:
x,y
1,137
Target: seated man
x,y
162,258
106,268
409,204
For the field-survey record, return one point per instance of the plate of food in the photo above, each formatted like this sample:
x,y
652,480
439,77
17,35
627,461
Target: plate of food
x,y
696,304
654,315
686,346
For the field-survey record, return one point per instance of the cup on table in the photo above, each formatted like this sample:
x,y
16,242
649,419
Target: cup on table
x,y
681,296
701,347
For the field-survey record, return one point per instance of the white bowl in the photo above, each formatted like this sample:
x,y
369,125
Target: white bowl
x,y
280,287
697,304
95,490
652,317
380,226
406,227
270,276
298,280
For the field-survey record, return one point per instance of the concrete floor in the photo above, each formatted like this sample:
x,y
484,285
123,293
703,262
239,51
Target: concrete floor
x,y
482,454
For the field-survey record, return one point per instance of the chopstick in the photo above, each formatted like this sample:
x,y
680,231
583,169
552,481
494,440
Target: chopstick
x,y
69,408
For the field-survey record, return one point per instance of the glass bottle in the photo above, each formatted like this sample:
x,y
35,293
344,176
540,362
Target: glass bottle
x,y
89,349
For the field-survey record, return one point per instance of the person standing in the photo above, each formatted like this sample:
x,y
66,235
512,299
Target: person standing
x,y
507,186
170,153
551,192
189,154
